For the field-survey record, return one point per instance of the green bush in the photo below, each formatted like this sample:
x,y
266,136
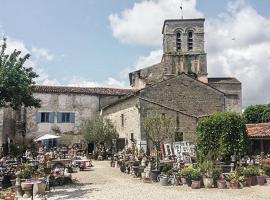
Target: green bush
x,y
216,173
186,171
196,175
166,168
266,168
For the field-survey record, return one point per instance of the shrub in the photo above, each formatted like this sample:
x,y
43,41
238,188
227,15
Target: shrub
x,y
266,169
216,173
166,168
196,175
186,172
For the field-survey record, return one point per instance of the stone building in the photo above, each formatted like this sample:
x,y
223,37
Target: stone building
x,y
178,86
62,111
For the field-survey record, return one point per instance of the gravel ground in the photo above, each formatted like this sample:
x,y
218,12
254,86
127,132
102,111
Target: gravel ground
x,y
103,182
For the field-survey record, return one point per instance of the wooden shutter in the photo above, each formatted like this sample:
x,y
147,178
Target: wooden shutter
x,y
72,117
38,117
59,117
51,118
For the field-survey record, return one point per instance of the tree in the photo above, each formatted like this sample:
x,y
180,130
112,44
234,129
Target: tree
x,y
99,131
222,135
158,128
16,81
257,113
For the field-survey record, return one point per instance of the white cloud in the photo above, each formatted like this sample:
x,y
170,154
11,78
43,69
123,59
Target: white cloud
x,y
153,58
237,42
110,82
142,23
41,53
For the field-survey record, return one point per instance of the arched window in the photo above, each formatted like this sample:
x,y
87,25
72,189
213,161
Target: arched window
x,y
190,40
178,41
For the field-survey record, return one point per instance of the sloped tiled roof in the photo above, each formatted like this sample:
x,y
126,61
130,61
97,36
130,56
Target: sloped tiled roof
x,y
82,90
259,130
221,80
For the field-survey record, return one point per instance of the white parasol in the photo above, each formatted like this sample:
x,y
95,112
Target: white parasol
x,y
47,137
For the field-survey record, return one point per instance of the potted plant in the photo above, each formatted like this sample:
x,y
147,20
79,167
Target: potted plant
x,y
165,174
247,174
254,172
196,177
185,175
234,182
261,177
207,170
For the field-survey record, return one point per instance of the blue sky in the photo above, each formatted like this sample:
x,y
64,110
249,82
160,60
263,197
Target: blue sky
x,y
74,42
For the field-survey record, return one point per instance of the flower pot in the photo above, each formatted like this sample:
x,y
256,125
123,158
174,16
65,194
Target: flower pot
x,y
183,180
253,180
261,180
208,182
248,181
221,184
163,180
154,175
41,188
234,185
26,186
196,184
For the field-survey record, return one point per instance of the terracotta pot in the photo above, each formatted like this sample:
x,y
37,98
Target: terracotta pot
x,y
183,180
253,180
208,182
234,185
196,184
261,180
221,184
248,181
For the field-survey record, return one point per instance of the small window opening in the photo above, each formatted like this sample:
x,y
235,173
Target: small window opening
x,y
190,40
178,41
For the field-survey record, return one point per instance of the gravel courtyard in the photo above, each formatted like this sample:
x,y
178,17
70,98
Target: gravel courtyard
x,y
103,182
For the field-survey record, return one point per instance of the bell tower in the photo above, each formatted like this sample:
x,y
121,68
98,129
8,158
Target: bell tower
x,y
183,47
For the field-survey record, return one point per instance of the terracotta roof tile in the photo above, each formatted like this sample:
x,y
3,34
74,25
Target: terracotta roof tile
x,y
82,90
223,80
258,130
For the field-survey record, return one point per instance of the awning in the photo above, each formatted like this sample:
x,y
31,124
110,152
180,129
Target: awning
x,y
46,137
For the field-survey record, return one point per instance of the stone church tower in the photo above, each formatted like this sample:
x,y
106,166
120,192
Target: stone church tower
x,y
183,52
183,47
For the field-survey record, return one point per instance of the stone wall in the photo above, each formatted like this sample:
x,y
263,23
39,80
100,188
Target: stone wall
x,y
126,118
187,124
187,95
84,106
233,93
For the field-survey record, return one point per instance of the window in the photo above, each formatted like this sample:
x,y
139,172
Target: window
x,y
132,136
66,117
122,120
45,117
178,136
178,41
190,40
163,115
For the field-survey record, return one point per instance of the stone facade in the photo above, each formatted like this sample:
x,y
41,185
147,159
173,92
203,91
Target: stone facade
x,y
81,103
